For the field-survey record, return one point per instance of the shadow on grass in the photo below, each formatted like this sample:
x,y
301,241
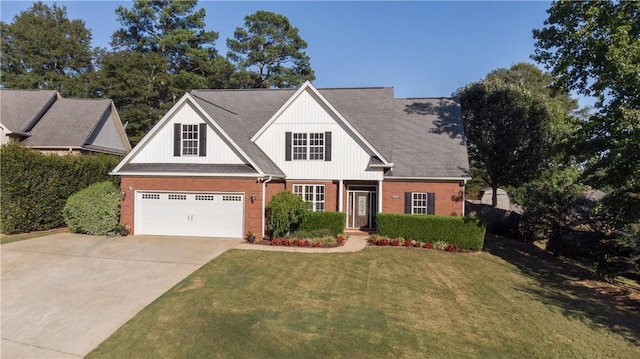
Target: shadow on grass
x,y
578,293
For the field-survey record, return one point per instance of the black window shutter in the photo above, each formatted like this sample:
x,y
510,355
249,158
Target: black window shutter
x,y
287,146
408,199
177,135
431,203
327,146
202,143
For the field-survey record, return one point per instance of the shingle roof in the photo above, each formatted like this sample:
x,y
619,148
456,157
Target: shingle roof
x,y
422,137
69,122
428,139
20,108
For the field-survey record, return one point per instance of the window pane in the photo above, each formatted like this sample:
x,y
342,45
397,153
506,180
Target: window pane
x,y
190,140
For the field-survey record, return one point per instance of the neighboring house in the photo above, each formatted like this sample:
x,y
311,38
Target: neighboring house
x,y
44,121
504,202
212,163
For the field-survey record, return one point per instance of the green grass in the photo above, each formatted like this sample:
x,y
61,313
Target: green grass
x,y
507,302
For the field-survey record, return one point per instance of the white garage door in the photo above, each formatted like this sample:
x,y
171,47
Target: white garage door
x,y
189,214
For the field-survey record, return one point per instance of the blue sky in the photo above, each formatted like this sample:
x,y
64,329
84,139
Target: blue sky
x,y
422,49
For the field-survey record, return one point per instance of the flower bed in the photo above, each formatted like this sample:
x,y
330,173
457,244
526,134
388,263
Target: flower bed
x,y
375,240
317,242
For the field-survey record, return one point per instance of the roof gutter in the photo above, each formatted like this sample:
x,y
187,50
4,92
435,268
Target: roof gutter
x,y
457,179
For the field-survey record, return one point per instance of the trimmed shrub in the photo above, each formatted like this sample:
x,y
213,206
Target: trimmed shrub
x,y
464,232
94,210
334,221
34,187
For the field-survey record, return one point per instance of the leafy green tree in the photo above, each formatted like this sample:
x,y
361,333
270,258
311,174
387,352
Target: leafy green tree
x,y
161,52
268,52
43,49
593,48
505,125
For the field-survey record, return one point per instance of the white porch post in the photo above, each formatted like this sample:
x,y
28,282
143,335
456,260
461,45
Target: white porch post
x,y
379,196
340,195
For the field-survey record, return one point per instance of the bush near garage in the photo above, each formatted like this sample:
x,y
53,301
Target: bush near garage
x,y
34,187
463,232
94,210
334,221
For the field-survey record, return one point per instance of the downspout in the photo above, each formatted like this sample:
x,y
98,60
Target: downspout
x,y
464,198
264,205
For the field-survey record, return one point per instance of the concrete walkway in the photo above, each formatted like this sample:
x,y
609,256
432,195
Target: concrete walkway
x,y
64,294
353,244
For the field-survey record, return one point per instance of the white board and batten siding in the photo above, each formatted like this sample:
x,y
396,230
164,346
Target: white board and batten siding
x,y
160,148
306,114
196,214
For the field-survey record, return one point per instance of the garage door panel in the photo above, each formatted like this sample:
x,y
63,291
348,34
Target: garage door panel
x,y
190,214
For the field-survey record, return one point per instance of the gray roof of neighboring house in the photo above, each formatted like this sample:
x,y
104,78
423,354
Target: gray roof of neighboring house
x,y
421,137
20,109
47,121
69,122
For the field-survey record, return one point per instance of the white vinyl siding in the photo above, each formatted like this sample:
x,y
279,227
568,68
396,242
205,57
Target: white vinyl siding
x,y
160,148
349,158
312,194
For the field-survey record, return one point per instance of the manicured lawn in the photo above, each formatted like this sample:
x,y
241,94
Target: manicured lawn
x,y
507,302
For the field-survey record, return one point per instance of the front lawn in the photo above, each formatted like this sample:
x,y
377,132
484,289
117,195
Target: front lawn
x,y
380,303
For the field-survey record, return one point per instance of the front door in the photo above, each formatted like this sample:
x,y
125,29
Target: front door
x,y
362,209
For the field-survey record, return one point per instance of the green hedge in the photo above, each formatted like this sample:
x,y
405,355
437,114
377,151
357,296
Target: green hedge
x,y
94,210
34,187
464,232
334,221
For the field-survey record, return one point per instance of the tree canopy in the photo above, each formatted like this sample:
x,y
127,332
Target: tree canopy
x,y
505,125
268,52
594,49
43,49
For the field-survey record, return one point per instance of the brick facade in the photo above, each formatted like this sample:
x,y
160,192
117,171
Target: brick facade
x,y
448,195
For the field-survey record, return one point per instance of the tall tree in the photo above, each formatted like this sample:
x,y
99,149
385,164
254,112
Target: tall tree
x,y
594,49
161,52
43,49
505,125
268,52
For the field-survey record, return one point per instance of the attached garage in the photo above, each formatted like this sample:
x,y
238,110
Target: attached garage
x,y
189,214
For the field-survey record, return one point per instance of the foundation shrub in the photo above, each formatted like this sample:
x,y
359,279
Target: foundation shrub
x,y
334,221
94,210
464,232
34,187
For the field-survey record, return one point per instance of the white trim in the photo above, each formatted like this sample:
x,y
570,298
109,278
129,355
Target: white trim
x,y
264,205
205,116
305,86
380,196
340,195
458,179
185,174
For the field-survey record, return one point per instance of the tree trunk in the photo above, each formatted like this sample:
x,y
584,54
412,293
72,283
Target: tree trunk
x,y
494,196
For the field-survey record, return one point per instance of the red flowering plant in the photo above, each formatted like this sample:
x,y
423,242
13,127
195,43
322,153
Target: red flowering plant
x,y
340,239
451,248
408,243
297,242
305,243
383,242
275,242
395,242
428,245
286,242
317,244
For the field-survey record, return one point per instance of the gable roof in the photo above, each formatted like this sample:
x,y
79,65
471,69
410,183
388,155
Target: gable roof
x,y
50,122
416,138
21,109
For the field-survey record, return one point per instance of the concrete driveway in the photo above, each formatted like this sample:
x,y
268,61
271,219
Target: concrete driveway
x,y
63,294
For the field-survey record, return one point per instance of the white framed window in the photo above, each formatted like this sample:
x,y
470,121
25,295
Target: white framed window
x,y
419,203
312,194
316,146
299,146
189,142
307,146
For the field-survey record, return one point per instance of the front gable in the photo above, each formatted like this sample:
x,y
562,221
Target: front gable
x,y
186,136
308,139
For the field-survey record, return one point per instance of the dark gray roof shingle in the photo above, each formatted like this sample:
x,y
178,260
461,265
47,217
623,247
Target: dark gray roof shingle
x,y
422,137
19,109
